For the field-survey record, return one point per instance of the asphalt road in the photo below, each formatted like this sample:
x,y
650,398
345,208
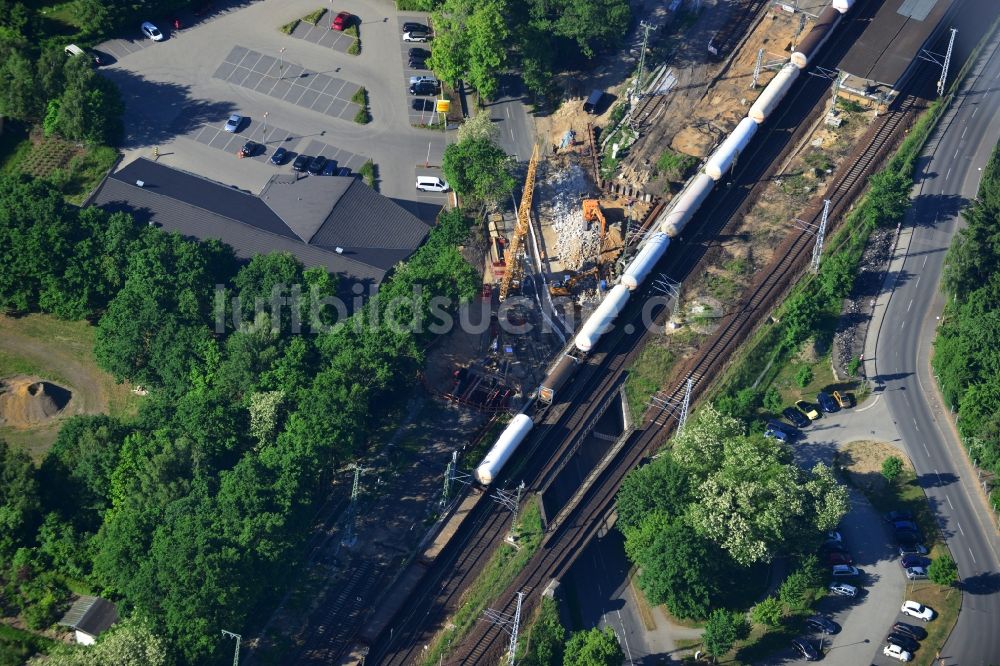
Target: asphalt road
x,y
515,126
948,179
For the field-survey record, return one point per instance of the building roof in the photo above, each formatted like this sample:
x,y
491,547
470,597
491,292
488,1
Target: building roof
x,y
91,615
338,223
893,39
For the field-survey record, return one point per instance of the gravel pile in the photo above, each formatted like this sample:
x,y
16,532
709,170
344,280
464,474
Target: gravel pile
x,y
575,244
849,339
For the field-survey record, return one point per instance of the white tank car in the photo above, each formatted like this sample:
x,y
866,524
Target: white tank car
x,y
648,256
815,38
725,155
843,6
774,93
599,322
673,221
504,448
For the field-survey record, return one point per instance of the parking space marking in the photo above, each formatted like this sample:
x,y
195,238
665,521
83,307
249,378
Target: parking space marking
x,y
322,35
311,90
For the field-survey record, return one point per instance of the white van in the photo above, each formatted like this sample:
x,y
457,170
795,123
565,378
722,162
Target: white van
x,y
431,184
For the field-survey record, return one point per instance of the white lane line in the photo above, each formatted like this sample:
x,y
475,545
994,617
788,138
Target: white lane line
x,y
964,131
960,527
508,115
910,305
511,134
973,556
974,112
927,450
625,636
903,325
948,175
948,498
915,425
955,156
938,475
923,264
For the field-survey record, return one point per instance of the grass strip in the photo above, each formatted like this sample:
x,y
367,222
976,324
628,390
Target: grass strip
x,y
313,18
354,48
369,172
290,27
503,567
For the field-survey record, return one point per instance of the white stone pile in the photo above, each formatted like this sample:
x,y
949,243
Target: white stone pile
x,y
576,245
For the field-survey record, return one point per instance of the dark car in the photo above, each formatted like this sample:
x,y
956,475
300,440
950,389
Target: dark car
x,y
795,416
424,88
823,624
837,557
417,52
907,561
249,149
279,156
831,546
827,403
918,633
893,516
301,162
805,648
903,641
316,165
331,168
410,26
776,433
416,63
904,525
423,104
907,537
791,431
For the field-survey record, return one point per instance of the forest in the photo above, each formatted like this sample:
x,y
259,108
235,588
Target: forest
x,y
192,515
967,348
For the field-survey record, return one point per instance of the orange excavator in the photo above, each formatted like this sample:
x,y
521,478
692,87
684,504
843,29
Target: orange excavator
x,y
592,211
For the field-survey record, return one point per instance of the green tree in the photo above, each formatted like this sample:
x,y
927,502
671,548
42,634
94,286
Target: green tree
x,y
19,501
772,400
479,126
543,644
20,96
593,648
488,30
804,376
892,467
478,169
943,570
722,630
767,611
660,486
128,643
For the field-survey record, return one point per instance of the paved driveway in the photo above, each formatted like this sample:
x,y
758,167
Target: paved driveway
x,y
179,92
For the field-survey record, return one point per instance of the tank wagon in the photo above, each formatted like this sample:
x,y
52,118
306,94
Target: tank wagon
x,y
670,224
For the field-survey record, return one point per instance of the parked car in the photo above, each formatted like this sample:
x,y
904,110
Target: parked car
x,y
916,573
316,165
845,399
896,652
249,149
913,549
331,168
424,78
431,184
822,624
789,430
73,50
796,417
424,88
917,610
301,162
904,525
903,641
279,156
844,590
836,557
416,36
919,633
776,433
806,649
808,409
844,571
908,561
834,535
829,546
417,52
416,63
893,516
151,31
826,403
410,26
234,123
342,21
907,537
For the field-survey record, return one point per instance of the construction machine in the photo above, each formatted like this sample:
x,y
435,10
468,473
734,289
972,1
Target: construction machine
x,y
592,211
515,251
565,288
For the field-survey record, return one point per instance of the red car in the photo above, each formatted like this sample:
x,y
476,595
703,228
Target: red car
x,y
838,558
341,21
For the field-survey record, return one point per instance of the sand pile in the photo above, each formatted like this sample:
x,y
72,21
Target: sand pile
x,y
29,401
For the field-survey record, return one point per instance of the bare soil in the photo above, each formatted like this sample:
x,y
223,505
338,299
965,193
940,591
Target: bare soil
x,y
26,402
863,463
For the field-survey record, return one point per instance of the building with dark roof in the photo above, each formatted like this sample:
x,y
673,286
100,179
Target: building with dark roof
x,y
886,54
89,617
338,223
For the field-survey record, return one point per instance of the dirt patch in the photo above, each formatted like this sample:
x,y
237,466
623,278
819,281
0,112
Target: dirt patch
x,y
862,461
26,402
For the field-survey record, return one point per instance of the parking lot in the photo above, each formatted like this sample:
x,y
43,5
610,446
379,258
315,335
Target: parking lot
x,y
179,93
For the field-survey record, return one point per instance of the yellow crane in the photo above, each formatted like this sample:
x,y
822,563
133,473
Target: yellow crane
x,y
515,251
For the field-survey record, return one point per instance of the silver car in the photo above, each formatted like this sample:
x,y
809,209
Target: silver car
x,y
152,31
916,573
844,590
234,123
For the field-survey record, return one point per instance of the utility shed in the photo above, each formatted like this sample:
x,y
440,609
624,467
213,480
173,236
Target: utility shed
x,y
89,617
337,223
887,52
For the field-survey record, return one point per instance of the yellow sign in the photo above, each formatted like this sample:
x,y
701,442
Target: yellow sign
x,y
443,105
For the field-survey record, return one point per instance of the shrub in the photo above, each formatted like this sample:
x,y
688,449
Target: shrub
x,y
362,117
353,31
804,376
943,570
772,400
369,172
289,27
767,612
314,17
360,97
354,48
854,366
891,468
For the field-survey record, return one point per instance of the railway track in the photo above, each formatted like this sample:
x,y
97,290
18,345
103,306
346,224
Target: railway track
x,y
561,548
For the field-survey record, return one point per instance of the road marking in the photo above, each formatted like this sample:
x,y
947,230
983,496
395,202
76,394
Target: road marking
x,y
949,502
938,475
910,305
926,449
915,425
964,131
974,112
960,527
973,556
625,636
955,156
948,175
511,134
903,325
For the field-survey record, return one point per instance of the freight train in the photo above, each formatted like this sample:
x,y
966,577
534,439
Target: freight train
x,y
668,226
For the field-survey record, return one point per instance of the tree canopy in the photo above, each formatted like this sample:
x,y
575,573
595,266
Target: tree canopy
x,y
594,647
